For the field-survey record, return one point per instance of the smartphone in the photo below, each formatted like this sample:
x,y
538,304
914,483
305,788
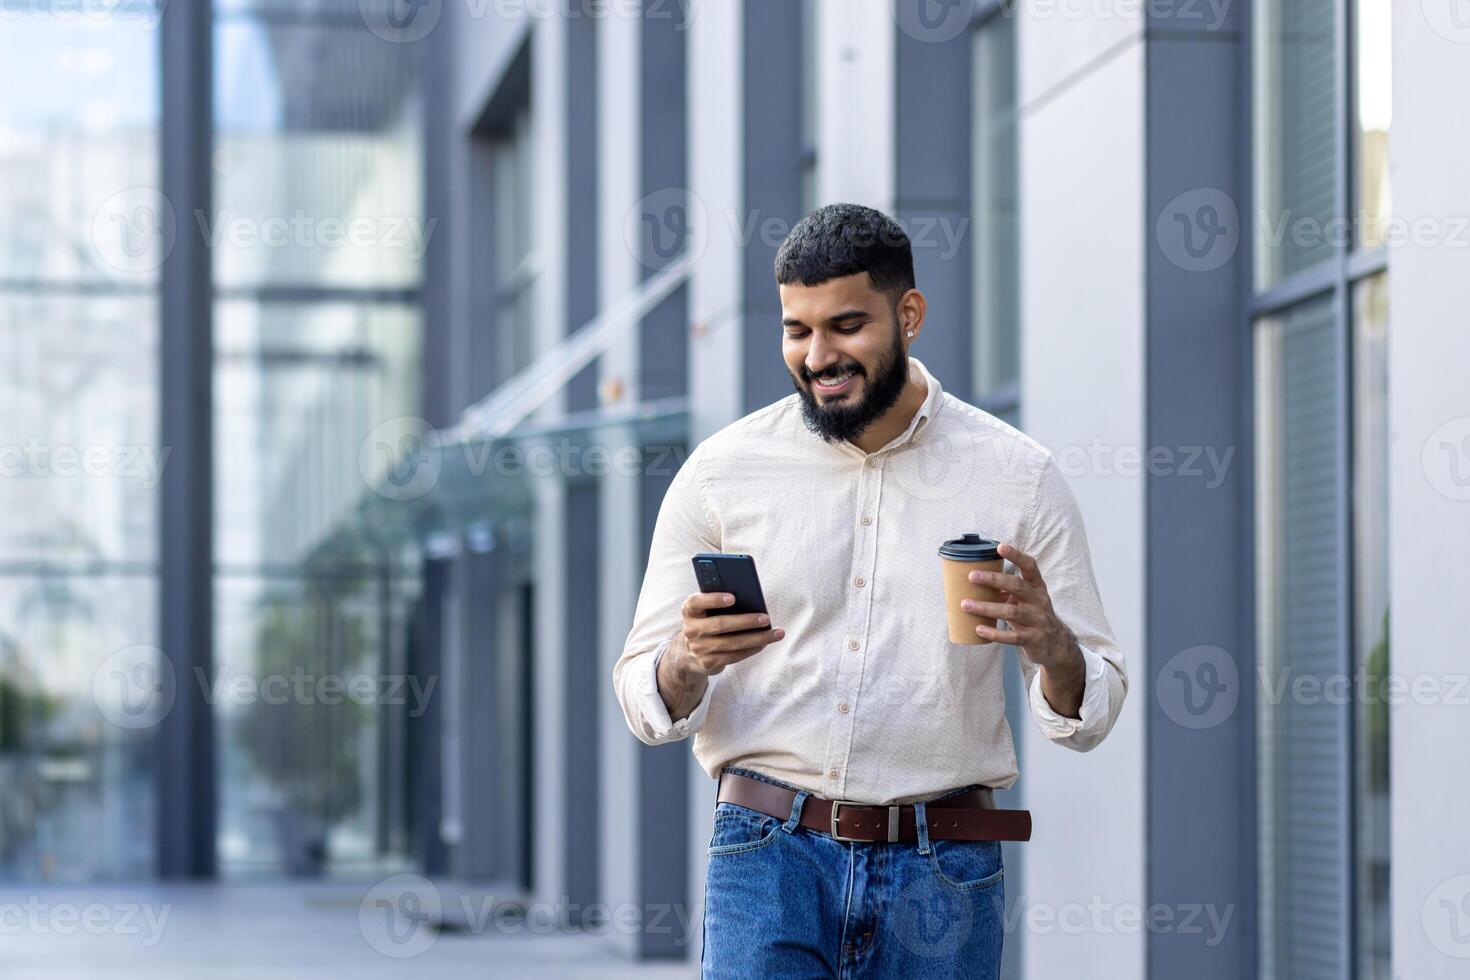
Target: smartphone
x,y
730,573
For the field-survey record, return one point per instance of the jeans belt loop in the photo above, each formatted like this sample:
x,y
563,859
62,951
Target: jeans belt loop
x,y
921,825
795,819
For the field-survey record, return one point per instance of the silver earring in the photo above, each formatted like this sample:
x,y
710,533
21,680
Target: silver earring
x,y
911,333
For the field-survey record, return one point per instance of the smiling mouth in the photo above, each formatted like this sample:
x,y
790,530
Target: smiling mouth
x,y
839,383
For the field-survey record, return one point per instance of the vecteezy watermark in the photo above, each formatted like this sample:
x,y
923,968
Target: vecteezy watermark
x,y
304,687
37,917
401,917
1096,917
401,21
1446,917
135,229
406,21
1446,458
37,459
1450,19
301,230
403,458
666,225
1199,230
1199,687
1363,687
147,13
932,21
1208,463
938,21
675,222
134,687
1393,230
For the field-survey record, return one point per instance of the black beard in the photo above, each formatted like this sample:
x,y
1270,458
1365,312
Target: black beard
x,y
840,422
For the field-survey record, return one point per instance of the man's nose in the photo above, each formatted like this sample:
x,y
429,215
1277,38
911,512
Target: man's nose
x,y
820,356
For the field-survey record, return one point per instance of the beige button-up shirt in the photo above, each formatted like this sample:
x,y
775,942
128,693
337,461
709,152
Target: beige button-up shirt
x,y
866,698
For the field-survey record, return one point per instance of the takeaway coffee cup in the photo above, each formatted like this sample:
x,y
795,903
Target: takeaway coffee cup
x,y
958,558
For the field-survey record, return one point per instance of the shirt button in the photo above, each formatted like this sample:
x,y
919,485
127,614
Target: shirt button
x,y
858,581
842,707
870,463
831,773
852,644
867,519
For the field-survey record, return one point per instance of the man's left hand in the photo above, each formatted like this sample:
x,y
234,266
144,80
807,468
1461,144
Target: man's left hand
x,y
1026,608
1035,628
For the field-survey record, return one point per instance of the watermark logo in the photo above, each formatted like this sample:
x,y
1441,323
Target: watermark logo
x,y
667,225
399,916
36,917
1199,687
401,459
134,687
1199,230
942,467
134,230
935,921
1446,459
1446,917
933,21
1450,19
400,21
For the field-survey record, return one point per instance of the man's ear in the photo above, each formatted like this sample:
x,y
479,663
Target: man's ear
x,y
911,309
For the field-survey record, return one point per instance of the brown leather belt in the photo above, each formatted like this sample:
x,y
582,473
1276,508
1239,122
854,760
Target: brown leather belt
x,y
968,816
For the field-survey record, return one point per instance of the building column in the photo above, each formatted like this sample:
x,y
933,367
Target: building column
x,y
1429,496
1081,161
620,543
184,739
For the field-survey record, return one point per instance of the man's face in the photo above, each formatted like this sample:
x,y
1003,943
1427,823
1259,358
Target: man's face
x,y
842,329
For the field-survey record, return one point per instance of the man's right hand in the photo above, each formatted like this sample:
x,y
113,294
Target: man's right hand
x,y
707,645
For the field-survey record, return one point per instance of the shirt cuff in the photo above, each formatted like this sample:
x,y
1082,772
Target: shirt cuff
x,y
1094,709
651,703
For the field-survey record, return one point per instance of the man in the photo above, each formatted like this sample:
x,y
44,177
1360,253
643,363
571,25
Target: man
x,y
850,689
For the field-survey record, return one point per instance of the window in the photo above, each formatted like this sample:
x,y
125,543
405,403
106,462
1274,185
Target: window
x,y
810,103
1321,493
1297,112
997,355
515,263
82,235
317,332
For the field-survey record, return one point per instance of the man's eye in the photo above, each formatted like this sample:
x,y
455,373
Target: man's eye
x,y
850,329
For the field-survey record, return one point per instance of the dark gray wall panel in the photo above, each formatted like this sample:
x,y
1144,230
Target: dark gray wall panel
x,y
771,185
933,177
1200,806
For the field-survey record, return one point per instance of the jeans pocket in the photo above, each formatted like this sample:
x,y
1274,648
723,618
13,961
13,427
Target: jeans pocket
x,y
966,864
739,829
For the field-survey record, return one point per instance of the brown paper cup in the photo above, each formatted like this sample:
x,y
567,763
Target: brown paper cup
x,y
958,587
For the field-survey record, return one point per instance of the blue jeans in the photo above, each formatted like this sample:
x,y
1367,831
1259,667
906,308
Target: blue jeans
x,y
784,901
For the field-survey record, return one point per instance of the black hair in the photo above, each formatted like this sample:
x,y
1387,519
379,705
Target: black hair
x,y
845,239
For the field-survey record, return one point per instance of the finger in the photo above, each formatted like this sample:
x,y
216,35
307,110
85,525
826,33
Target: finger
x,y
734,642
1003,582
1010,612
700,601
996,635
1024,563
715,625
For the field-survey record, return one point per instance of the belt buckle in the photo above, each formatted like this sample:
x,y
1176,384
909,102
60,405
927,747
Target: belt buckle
x,y
892,822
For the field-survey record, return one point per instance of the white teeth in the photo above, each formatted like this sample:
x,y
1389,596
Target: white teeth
x,y
837,383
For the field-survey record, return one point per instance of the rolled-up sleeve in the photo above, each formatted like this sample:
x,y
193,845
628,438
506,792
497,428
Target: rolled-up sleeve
x,y
684,528
1058,542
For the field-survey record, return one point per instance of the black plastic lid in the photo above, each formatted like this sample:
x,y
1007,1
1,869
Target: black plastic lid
x,y
970,547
